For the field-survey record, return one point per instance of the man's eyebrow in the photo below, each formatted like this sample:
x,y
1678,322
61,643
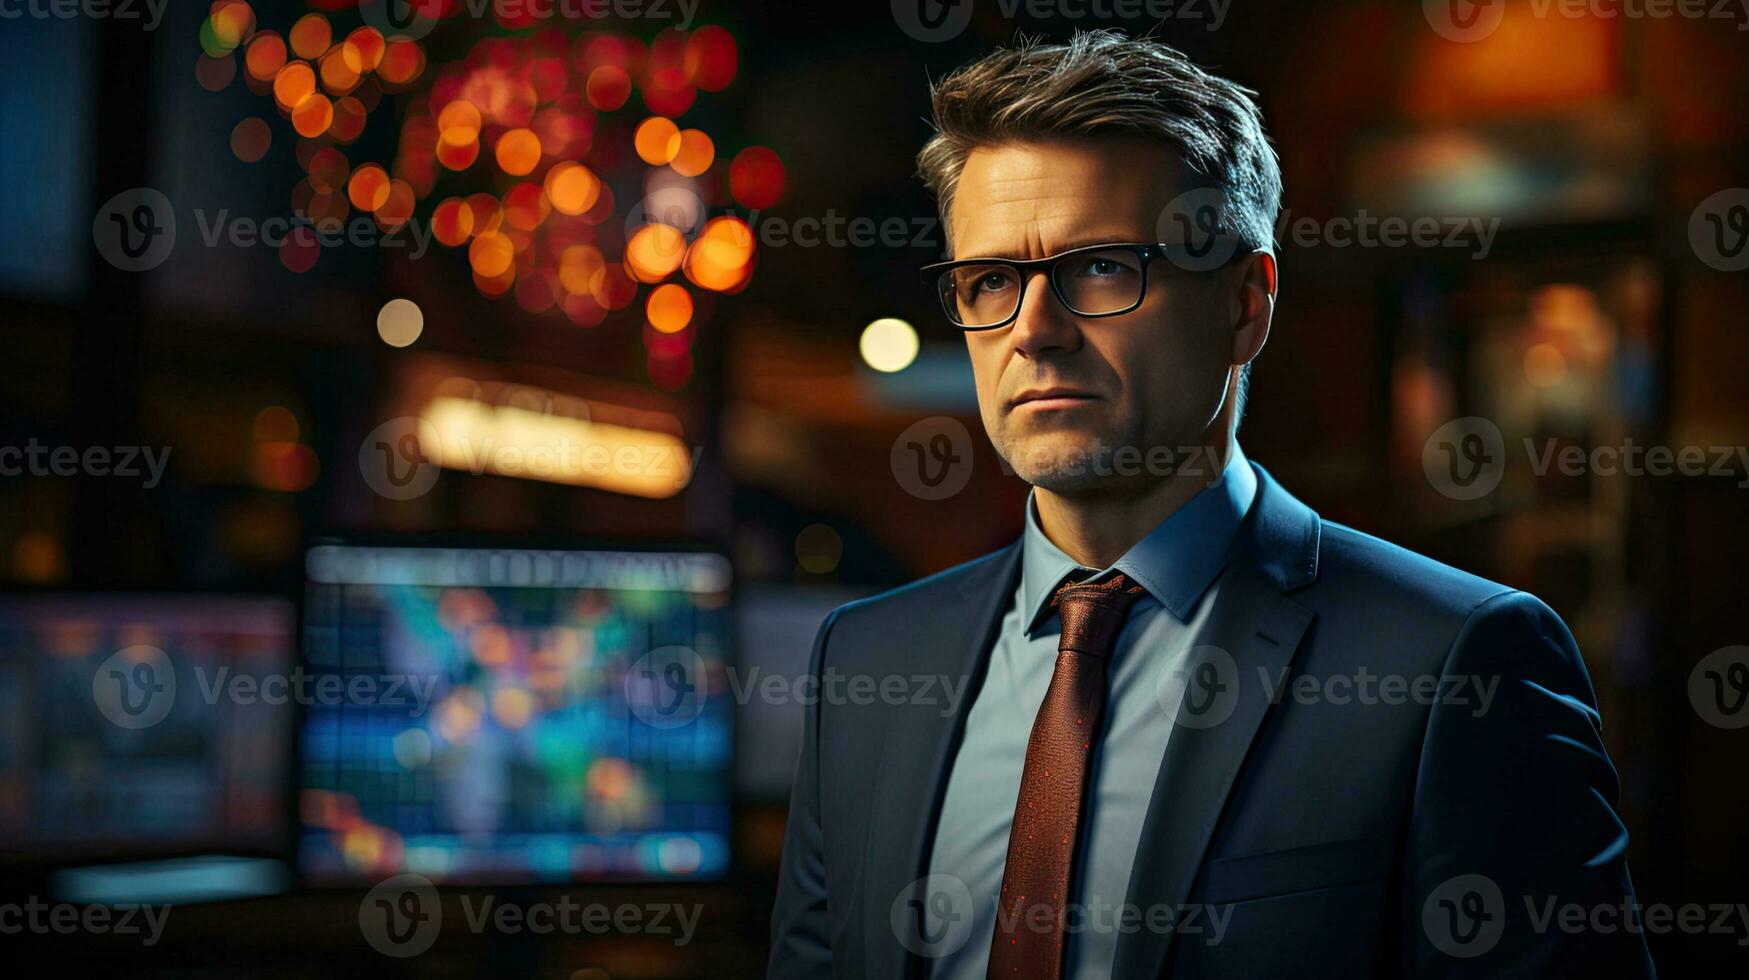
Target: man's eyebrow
x,y
1083,241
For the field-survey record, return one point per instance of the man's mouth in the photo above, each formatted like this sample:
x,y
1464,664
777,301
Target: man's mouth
x,y
1054,398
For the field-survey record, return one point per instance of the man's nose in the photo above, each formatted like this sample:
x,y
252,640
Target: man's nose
x,y
1044,324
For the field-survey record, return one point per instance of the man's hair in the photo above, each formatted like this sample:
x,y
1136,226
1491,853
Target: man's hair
x,y
1102,83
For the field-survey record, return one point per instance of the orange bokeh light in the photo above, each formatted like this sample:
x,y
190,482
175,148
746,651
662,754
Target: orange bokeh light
x,y
518,152
460,120
572,188
657,140
721,257
368,42
654,252
491,255
669,308
339,70
311,36
608,88
312,116
694,154
525,207
452,222
369,187
265,57
293,83
549,235
402,61
457,150
229,22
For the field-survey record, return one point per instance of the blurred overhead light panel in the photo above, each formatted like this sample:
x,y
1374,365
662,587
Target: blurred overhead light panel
x,y
506,440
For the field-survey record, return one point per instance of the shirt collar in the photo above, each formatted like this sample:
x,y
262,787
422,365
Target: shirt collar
x,y
1176,562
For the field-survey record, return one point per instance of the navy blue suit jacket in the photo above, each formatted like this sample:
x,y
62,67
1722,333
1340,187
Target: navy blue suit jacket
x,y
1341,836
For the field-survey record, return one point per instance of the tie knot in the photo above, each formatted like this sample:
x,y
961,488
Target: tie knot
x,y
1093,612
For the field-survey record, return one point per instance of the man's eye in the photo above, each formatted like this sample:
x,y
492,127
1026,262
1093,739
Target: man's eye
x,y
1104,268
990,282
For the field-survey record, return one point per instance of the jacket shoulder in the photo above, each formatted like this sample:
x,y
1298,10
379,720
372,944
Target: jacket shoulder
x,y
1359,565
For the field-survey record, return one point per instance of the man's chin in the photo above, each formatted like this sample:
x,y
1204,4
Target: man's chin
x,y
1059,464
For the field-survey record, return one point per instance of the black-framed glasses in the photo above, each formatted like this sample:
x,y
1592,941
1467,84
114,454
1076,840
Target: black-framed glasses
x,y
1096,280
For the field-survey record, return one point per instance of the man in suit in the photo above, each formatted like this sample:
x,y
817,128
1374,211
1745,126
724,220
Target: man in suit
x,y
1200,732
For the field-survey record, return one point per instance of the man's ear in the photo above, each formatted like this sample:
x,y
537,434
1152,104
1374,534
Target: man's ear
x,y
1255,306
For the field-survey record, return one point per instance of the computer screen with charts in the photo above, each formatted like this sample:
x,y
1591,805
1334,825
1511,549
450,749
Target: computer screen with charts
x,y
482,715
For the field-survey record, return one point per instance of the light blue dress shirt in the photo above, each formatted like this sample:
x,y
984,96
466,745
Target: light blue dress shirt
x,y
1178,563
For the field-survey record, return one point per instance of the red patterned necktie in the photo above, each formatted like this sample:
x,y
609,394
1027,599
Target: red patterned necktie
x,y
1047,817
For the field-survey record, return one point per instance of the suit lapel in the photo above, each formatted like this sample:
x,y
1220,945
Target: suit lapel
x,y
1253,627
920,743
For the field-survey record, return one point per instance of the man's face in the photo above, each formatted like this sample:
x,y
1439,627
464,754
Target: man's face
x,y
1156,376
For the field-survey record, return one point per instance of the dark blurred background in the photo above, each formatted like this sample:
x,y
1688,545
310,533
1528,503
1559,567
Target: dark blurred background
x,y
330,451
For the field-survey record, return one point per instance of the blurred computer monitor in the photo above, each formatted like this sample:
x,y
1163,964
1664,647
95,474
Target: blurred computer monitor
x,y
142,725
515,715
775,627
